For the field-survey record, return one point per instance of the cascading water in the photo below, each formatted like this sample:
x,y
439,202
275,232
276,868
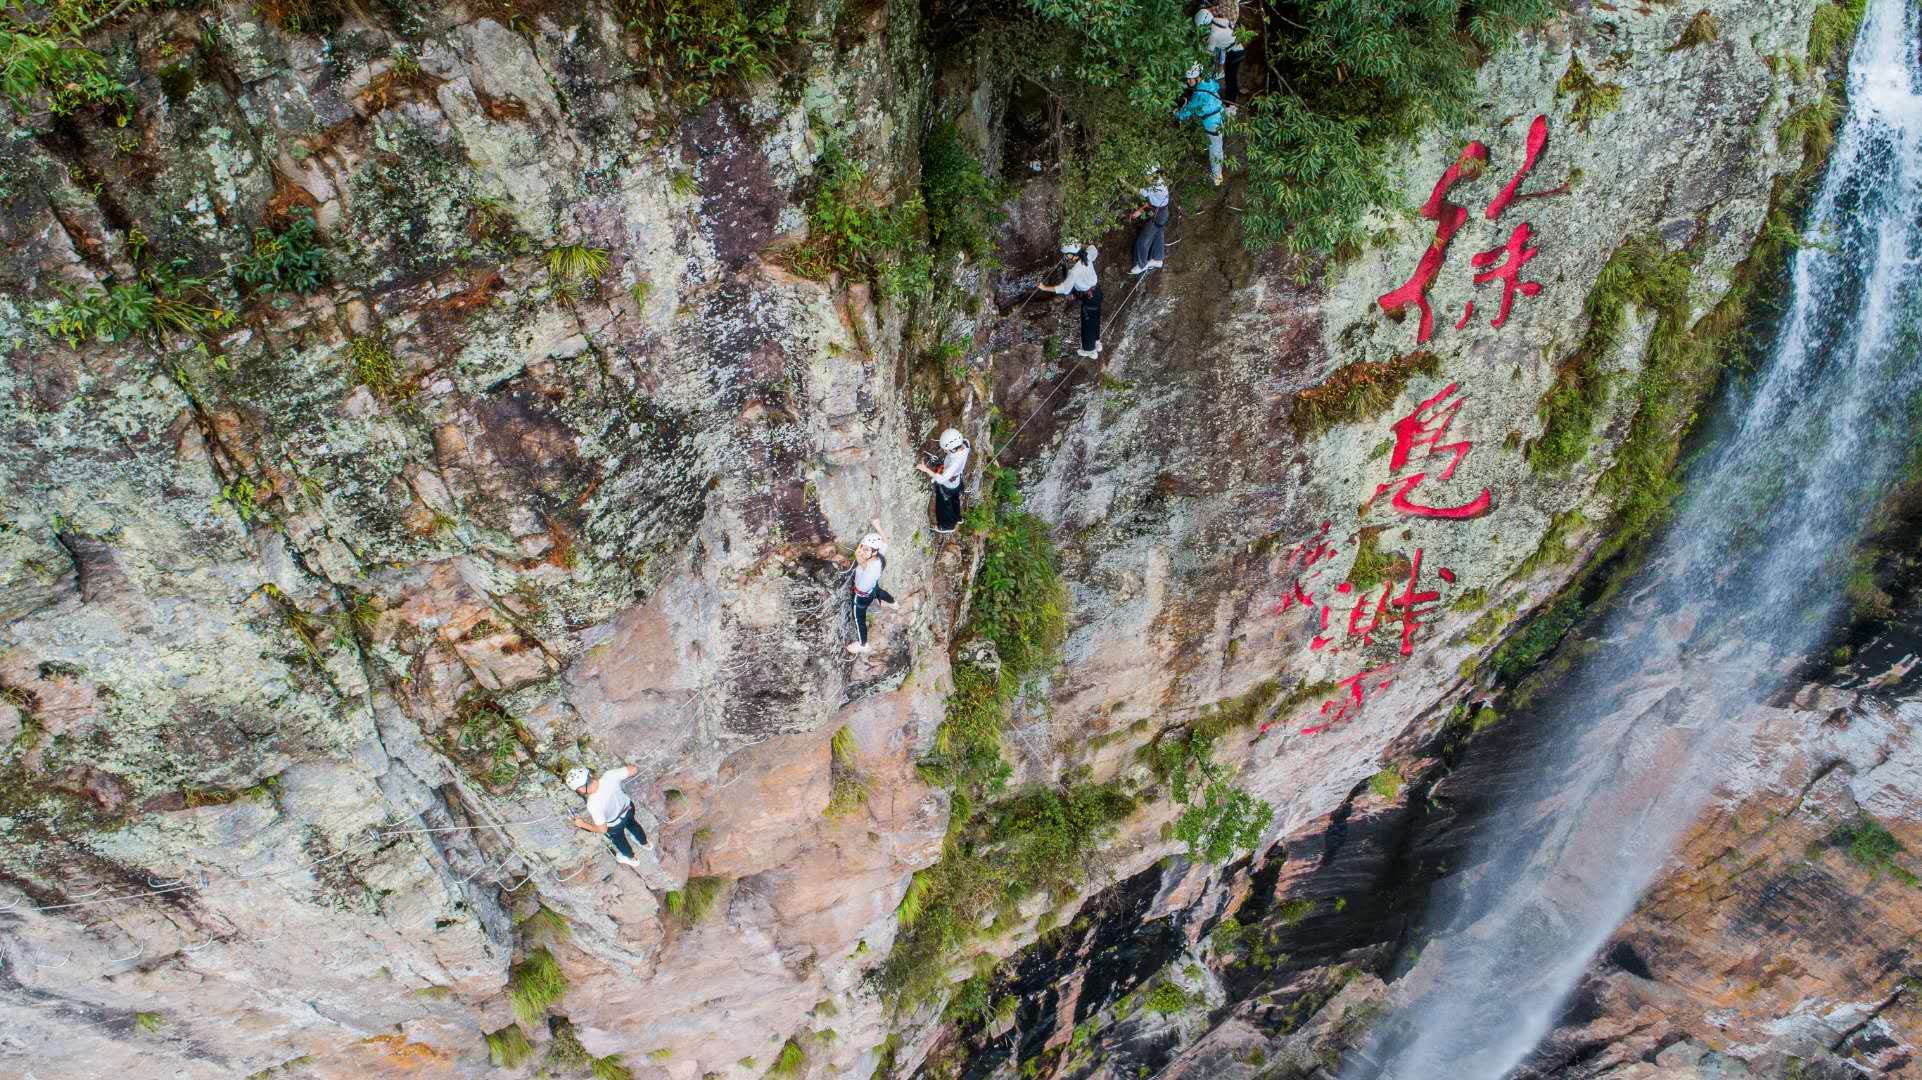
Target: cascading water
x,y
1744,581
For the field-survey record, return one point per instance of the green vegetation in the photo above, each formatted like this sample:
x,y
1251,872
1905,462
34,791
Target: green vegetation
x,y
1870,845
790,1061
1166,999
851,233
1832,31
963,204
158,302
1000,848
147,1021
46,67
1556,547
1520,654
290,260
610,1068
377,368
565,1054
1357,392
1812,127
698,900
1219,819
508,1048
695,49
534,984
1387,783
1593,99
242,497
544,922
571,268
1294,911
846,790
1372,566
485,740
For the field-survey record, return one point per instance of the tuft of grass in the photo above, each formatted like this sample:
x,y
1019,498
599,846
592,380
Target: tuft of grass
x,y
544,921
698,900
846,790
1593,99
1294,911
375,366
1701,30
1832,30
1556,548
147,1021
1166,999
1356,392
508,1048
1372,566
158,303
610,1068
790,1061
1387,783
576,263
1870,845
534,984
665,1053
1813,128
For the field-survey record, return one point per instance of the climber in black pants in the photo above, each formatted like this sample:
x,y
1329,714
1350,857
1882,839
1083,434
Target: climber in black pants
x,y
1084,284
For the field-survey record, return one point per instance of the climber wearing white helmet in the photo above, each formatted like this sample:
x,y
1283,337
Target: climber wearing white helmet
x,y
947,482
1084,284
870,558
609,810
1217,19
1153,215
1204,104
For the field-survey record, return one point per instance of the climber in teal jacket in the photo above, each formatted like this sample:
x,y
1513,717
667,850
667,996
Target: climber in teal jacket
x,y
1204,104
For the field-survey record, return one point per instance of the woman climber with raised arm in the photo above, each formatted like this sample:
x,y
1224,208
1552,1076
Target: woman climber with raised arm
x,y
870,558
1084,284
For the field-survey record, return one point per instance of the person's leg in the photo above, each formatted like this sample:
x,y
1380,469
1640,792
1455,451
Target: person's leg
x,y
1160,249
1144,241
614,837
947,507
1214,154
1091,321
631,823
883,595
861,616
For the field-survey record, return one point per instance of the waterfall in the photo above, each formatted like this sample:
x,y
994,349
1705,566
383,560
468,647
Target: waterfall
x,y
1744,580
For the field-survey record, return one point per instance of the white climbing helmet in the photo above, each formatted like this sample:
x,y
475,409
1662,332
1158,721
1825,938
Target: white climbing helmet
x,y
1070,248
577,778
874,543
951,440
1194,72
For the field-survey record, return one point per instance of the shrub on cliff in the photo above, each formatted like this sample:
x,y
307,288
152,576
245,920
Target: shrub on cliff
x,y
963,203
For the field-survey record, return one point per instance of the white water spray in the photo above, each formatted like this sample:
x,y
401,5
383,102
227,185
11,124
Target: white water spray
x,y
1744,580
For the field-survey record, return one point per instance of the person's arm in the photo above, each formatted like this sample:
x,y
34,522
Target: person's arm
x,y
952,468
875,528
588,826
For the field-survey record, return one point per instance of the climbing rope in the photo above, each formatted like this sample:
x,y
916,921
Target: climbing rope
x,y
995,452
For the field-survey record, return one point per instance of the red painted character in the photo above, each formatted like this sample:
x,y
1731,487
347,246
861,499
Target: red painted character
x,y
1448,219
1338,709
1419,430
1413,605
1517,253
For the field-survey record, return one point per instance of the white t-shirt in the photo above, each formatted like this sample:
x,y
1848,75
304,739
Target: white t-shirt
x,y
867,575
952,467
608,802
1081,278
1156,195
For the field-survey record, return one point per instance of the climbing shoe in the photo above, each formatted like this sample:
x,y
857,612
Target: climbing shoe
x,y
625,861
856,648
1139,270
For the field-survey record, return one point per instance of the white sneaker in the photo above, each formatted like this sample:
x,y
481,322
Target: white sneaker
x,y
1088,353
1154,264
1217,181
856,648
1139,270
890,605
625,861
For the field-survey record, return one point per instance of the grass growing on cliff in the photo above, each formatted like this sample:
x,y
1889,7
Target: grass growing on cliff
x,y
846,791
508,1048
159,302
1357,392
1593,98
999,849
853,232
1832,30
963,203
699,899
1870,845
290,260
790,1061
534,984
695,49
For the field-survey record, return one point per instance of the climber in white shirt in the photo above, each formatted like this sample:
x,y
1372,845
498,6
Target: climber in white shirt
x,y
947,482
870,558
1153,215
609,810
1084,284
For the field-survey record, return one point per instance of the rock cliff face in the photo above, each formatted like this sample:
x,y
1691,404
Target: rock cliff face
x,y
304,617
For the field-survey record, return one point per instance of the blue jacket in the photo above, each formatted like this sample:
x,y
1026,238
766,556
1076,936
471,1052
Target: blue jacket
x,y
1204,105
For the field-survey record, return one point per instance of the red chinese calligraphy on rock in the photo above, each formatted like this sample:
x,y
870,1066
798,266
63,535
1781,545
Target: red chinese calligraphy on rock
x,y
1514,254
1424,429
1448,218
1338,709
1537,139
1412,604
